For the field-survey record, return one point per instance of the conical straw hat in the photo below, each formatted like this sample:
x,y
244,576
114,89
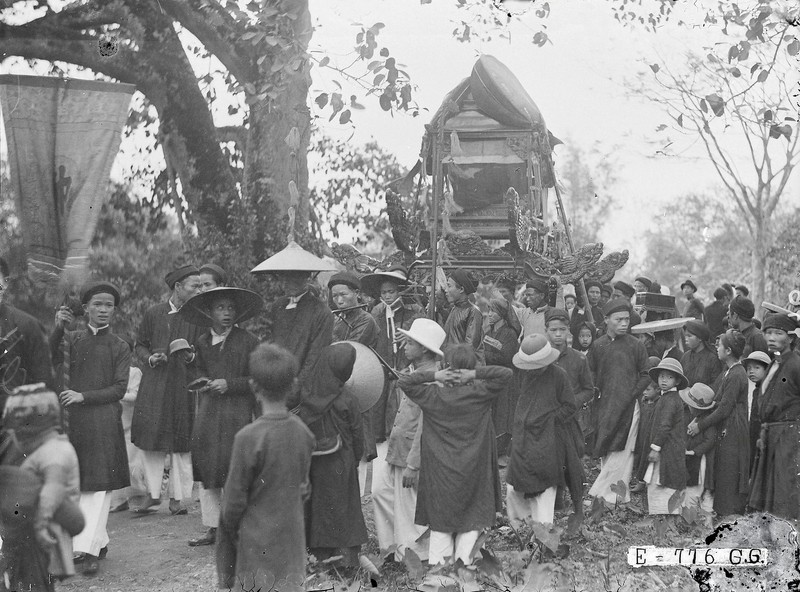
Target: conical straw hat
x,y
293,258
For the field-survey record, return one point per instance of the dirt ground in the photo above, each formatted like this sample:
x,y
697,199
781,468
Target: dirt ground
x,y
150,554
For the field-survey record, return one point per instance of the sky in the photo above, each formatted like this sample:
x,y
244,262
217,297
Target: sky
x,y
579,82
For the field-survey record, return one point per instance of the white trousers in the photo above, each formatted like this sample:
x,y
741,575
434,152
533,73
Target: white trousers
x,y
617,466
394,507
537,509
94,536
180,473
452,545
210,501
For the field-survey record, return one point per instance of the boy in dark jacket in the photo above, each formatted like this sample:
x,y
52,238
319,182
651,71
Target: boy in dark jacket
x,y
666,473
700,450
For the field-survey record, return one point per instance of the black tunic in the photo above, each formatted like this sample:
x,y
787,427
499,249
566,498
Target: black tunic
x,y
221,416
24,355
162,415
98,369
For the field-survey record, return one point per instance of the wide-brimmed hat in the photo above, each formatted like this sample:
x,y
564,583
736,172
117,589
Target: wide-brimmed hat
x,y
660,325
698,396
197,310
671,365
371,283
689,283
535,352
293,258
758,356
428,334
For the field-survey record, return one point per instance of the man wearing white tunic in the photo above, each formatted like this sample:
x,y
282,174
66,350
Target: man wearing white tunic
x,y
618,362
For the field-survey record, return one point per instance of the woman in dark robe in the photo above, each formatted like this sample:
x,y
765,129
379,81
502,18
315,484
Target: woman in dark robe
x,y
700,362
334,521
732,451
776,484
500,344
459,484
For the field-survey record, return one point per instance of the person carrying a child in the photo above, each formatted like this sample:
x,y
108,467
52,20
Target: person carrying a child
x,y
225,403
261,536
334,520
38,552
732,450
96,366
459,484
699,399
666,472
776,473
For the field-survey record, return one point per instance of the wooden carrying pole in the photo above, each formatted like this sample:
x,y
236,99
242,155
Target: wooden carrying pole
x,y
437,190
579,286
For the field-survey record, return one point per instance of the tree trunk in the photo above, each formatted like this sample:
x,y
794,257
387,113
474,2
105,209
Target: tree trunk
x,y
271,163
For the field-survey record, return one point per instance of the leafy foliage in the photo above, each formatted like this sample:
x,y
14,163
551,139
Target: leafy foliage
x,y
347,192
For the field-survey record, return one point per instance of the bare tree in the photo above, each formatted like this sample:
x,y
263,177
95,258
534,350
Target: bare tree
x,y
739,103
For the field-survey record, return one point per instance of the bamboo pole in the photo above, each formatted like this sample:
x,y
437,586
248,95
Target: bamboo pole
x,y
437,189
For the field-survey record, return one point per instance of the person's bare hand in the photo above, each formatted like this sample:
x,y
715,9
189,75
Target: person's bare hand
x,y
410,478
64,316
158,358
693,428
653,456
218,386
446,376
70,397
760,445
44,537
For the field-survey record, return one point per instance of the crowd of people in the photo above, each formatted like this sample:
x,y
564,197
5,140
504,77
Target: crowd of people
x,y
707,414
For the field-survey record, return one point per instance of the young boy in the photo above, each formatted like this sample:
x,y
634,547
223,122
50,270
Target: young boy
x,y
226,403
647,404
756,365
666,473
96,367
700,450
261,542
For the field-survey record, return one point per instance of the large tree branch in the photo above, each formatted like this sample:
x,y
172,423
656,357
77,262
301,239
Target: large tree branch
x,y
216,30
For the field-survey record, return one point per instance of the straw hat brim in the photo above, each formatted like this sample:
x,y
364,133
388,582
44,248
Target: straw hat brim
x,y
293,258
248,304
423,342
524,361
371,282
660,325
682,383
685,395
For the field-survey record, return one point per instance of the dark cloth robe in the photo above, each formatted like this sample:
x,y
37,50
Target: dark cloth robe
x,y
24,355
776,485
578,427
162,414
538,447
220,416
384,411
333,513
647,410
459,484
99,369
701,444
261,538
619,370
702,366
753,341
304,330
715,314
505,404
669,437
358,325
732,451
694,308
465,325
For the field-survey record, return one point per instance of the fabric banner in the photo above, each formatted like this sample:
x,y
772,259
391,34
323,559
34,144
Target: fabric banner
x,y
63,136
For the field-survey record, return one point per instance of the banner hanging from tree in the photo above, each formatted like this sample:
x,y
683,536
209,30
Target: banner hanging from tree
x,y
63,136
